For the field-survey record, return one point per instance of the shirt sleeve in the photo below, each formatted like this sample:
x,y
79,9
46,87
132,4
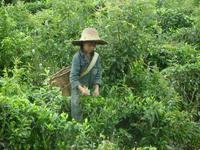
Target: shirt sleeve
x,y
98,77
75,70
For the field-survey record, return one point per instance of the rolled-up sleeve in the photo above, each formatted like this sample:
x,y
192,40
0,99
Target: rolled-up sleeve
x,y
98,76
75,70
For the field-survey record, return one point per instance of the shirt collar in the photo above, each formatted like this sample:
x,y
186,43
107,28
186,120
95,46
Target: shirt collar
x,y
81,52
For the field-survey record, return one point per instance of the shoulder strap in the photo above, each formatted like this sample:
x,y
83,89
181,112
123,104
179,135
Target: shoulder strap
x,y
91,65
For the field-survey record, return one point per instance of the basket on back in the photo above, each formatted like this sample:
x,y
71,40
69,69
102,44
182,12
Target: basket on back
x,y
61,80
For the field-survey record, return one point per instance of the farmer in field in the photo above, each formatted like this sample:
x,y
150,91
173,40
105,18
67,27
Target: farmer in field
x,y
85,75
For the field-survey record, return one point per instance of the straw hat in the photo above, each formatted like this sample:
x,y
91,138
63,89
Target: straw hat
x,y
89,34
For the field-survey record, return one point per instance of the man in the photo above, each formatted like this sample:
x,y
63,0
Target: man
x,y
80,62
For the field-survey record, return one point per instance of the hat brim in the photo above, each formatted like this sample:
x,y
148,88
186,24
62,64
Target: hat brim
x,y
79,42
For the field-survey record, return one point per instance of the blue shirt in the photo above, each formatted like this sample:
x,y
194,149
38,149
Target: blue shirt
x,y
80,63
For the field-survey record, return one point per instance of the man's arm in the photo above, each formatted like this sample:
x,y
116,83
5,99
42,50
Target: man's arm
x,y
98,80
74,75
98,77
75,70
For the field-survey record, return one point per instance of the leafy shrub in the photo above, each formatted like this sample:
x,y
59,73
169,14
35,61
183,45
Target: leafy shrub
x,y
150,71
144,121
169,54
147,81
172,19
185,80
189,35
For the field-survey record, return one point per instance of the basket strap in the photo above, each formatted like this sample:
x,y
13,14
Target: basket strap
x,y
91,65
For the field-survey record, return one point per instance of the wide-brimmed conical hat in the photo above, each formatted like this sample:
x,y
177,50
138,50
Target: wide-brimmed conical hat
x,y
89,34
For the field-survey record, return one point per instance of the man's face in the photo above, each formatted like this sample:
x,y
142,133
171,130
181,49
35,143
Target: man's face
x,y
89,46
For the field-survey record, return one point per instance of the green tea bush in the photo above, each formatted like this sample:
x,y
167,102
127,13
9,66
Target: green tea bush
x,y
146,81
132,32
172,19
144,121
25,125
150,95
40,118
36,118
185,80
189,35
169,54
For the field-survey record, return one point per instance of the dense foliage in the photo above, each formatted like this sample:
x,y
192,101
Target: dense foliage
x,y
150,98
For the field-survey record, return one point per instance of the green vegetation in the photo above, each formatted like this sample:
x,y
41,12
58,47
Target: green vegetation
x,y
151,73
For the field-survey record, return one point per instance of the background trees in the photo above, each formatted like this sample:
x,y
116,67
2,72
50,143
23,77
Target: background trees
x,y
150,97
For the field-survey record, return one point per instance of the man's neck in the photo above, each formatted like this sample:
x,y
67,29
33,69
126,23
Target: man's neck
x,y
87,54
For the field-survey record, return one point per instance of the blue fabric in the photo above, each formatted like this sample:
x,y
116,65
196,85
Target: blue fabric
x,y
80,63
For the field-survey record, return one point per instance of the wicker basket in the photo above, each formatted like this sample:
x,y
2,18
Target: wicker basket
x,y
61,79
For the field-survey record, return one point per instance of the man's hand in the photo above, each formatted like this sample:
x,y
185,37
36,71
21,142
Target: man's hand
x,y
83,90
96,91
